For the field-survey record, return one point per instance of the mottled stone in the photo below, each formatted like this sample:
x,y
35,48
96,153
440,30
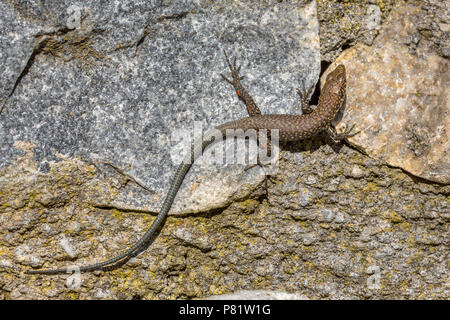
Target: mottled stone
x,y
331,223
259,295
400,100
345,23
120,82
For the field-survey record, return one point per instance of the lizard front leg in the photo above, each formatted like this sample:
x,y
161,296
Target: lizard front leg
x,y
252,108
304,99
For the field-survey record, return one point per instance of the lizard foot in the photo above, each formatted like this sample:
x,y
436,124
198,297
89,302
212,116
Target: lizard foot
x,y
337,137
234,72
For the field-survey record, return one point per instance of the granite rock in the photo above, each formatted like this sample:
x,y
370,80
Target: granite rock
x,y
82,170
128,83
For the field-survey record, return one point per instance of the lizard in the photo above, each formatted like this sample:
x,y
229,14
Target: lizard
x,y
291,128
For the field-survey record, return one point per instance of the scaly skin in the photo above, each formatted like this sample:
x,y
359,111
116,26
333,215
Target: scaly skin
x,y
291,128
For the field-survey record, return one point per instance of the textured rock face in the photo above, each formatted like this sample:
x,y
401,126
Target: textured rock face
x,y
399,97
89,106
124,83
332,223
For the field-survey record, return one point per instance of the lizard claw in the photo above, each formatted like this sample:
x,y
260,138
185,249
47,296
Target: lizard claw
x,y
336,137
234,71
226,79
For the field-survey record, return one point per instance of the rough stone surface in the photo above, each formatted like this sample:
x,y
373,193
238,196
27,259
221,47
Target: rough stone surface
x,y
331,223
346,23
258,295
400,100
120,85
434,25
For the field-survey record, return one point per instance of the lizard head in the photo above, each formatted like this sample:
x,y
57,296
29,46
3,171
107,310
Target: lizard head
x,y
336,82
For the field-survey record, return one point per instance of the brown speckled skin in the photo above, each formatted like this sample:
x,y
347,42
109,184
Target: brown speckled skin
x,y
297,127
291,128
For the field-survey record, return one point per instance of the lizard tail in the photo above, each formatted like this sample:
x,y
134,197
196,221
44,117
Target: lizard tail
x,y
197,149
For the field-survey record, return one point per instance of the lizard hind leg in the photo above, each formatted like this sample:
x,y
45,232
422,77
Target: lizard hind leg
x,y
235,81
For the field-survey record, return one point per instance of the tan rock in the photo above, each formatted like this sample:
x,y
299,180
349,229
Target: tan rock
x,y
399,100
